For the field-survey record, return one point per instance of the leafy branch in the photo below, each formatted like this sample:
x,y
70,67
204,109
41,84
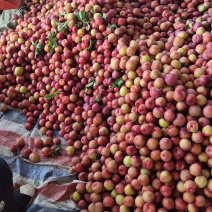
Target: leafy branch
x,y
92,42
84,19
112,26
90,84
38,48
98,156
178,9
118,83
52,95
34,43
56,151
96,100
93,11
62,27
52,43
104,16
63,14
105,37
82,15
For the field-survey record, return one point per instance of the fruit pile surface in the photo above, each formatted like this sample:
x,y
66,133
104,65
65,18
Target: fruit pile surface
x,y
128,85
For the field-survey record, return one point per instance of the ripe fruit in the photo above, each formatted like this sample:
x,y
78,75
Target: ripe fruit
x,y
38,143
13,149
4,108
34,157
18,71
47,141
46,151
20,142
26,153
70,150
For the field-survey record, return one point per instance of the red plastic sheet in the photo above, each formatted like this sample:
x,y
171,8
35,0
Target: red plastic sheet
x,y
9,4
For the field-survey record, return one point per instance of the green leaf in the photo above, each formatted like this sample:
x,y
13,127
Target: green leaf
x,y
98,156
85,21
57,148
96,100
54,45
56,151
38,50
92,42
36,183
62,14
105,37
52,153
178,8
93,11
82,15
78,25
183,64
52,42
34,43
40,46
112,26
52,35
118,83
15,154
58,23
89,26
61,29
79,16
104,16
52,95
62,26
90,84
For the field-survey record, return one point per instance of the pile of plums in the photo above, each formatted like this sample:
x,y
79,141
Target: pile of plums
x,y
49,146
128,85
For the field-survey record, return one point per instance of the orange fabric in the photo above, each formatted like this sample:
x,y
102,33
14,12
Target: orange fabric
x,y
9,4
